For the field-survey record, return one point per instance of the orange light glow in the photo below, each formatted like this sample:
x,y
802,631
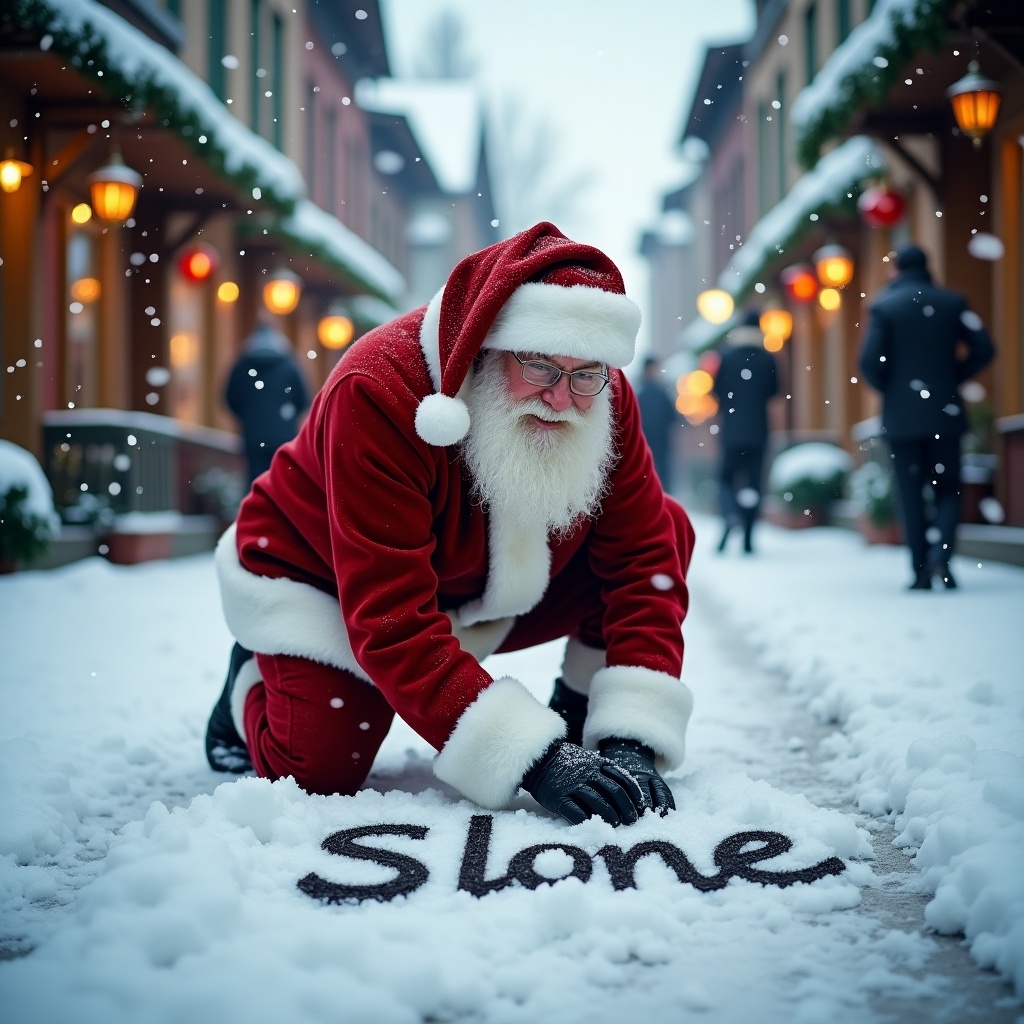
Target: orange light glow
x,y
829,299
228,292
334,331
281,292
85,290
81,213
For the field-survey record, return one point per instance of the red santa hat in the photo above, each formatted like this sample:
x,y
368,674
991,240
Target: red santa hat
x,y
535,292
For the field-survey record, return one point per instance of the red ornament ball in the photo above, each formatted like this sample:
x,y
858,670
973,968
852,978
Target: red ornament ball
x,y
881,206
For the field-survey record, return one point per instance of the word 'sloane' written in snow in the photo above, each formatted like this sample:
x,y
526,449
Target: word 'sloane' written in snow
x,y
732,858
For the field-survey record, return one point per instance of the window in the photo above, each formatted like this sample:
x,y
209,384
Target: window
x,y
216,43
811,40
311,112
842,19
255,57
277,70
780,118
763,157
331,163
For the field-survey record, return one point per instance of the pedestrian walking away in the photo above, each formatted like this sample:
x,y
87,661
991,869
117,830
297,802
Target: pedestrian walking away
x,y
745,381
923,341
472,478
267,394
659,417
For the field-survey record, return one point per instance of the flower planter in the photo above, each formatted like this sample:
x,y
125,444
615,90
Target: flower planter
x,y
132,548
889,533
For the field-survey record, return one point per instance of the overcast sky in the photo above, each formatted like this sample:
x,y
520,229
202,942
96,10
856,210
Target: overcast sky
x,y
613,78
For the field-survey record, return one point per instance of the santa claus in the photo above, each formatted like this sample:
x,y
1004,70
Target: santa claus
x,y
471,479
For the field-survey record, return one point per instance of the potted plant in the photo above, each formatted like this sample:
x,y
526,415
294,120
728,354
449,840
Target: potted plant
x,y
808,479
28,520
870,489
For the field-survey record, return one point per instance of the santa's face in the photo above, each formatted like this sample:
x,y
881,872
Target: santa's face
x,y
539,455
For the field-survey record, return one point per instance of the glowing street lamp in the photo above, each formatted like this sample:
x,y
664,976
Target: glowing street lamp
x,y
975,102
281,292
777,326
335,330
834,266
715,305
113,190
12,171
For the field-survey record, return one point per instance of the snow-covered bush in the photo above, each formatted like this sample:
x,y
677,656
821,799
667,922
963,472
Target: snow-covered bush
x,y
870,491
28,520
810,475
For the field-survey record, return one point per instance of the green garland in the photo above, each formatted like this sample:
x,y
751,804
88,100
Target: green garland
x,y
88,55
869,86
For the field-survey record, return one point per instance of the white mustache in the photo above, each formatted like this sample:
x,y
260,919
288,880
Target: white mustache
x,y
535,407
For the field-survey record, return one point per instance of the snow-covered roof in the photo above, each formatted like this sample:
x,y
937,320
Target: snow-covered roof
x,y
861,67
327,237
834,180
446,117
126,62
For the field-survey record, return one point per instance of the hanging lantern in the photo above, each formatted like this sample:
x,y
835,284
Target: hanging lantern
x,y
113,190
334,330
800,282
881,206
777,326
715,305
975,102
198,263
281,292
12,171
834,265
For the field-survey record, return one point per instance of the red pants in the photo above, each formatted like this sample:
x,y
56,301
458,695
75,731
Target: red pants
x,y
324,726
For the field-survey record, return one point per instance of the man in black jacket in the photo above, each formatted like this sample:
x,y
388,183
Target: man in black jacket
x,y
745,381
267,394
921,343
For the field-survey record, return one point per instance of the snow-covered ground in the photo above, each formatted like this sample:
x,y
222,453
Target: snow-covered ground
x,y
832,708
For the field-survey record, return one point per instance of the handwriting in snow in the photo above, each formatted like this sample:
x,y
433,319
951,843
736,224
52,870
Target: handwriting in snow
x,y
732,858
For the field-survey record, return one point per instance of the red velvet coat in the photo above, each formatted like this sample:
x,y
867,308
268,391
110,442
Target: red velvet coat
x,y
362,548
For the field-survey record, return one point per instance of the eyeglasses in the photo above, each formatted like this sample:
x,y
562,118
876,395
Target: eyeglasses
x,y
585,383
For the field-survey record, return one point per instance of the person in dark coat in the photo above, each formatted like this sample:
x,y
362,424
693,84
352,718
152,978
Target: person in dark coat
x,y
921,343
267,394
658,416
745,381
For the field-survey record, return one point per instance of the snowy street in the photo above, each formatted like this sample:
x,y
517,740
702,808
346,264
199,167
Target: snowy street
x,y
832,708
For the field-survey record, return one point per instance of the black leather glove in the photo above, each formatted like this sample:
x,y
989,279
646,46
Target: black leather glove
x,y
572,706
576,783
638,760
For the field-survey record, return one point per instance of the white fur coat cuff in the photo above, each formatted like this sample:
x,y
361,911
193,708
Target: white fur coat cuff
x,y
497,738
640,704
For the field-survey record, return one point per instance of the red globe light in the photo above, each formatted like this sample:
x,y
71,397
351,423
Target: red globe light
x,y
198,263
800,282
881,206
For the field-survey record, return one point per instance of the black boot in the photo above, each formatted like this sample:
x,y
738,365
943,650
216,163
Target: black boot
x,y
572,706
923,581
725,537
225,749
941,572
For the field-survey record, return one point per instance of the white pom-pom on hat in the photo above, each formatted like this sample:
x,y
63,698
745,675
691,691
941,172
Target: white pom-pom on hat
x,y
442,420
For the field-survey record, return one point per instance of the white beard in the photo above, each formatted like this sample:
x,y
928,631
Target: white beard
x,y
537,478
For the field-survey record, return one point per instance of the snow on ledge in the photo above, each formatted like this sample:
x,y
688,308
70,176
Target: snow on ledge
x,y
316,227
835,174
141,61
864,46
